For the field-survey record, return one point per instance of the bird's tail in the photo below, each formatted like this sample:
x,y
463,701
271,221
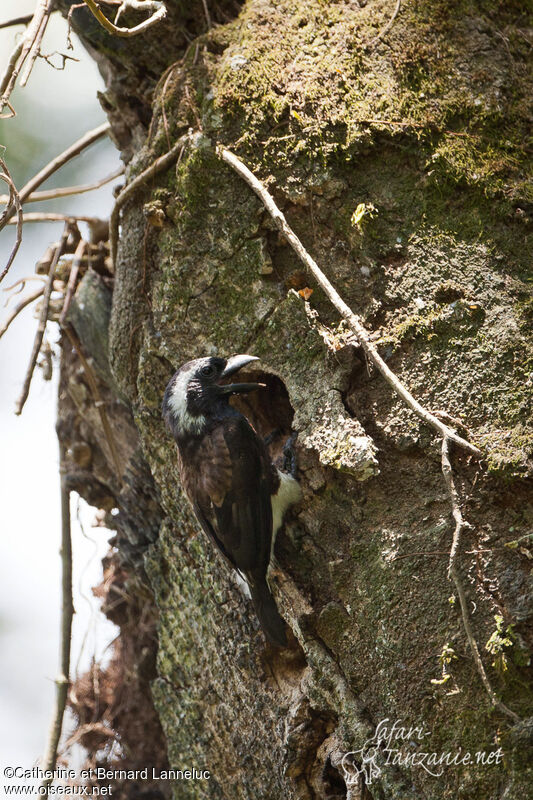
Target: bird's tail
x,y
271,620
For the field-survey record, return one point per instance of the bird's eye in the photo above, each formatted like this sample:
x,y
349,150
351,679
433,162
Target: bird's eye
x,y
207,371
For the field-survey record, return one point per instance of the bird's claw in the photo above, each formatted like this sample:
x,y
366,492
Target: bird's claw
x,y
290,462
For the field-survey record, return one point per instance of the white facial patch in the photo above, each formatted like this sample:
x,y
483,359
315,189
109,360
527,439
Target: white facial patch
x,y
188,423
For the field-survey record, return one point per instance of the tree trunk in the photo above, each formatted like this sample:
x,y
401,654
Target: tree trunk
x,y
397,154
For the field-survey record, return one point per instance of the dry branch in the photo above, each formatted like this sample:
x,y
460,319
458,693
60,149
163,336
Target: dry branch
x,y
453,573
13,206
6,79
353,320
67,611
16,21
207,15
22,283
126,32
42,321
44,216
68,154
137,183
28,46
67,191
35,48
457,515
20,306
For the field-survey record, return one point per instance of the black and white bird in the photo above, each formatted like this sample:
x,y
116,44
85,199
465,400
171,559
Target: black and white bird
x,y
236,492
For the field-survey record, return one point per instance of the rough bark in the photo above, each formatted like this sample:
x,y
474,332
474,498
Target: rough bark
x,y
426,125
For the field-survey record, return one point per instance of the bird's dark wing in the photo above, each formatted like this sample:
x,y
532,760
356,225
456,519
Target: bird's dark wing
x,y
244,518
228,477
205,473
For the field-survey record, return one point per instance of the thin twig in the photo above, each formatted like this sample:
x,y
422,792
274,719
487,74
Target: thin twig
x,y
97,398
353,320
157,166
454,498
35,48
22,50
63,56
22,283
475,650
207,15
16,21
125,32
6,78
453,573
389,24
66,191
30,187
72,151
67,611
14,206
42,216
73,276
42,320
20,306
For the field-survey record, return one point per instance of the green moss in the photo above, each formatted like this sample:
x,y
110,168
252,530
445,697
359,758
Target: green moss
x,y
325,84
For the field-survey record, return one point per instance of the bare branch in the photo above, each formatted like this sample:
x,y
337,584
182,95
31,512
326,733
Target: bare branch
x,y
353,320
41,216
158,165
42,321
7,77
454,498
67,611
22,283
19,307
207,16
453,573
33,35
63,56
68,154
126,32
13,206
66,191
16,21
36,44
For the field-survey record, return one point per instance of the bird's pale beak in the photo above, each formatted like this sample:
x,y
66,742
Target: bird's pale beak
x,y
233,365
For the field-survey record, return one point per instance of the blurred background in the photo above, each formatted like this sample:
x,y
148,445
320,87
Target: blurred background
x,y
53,110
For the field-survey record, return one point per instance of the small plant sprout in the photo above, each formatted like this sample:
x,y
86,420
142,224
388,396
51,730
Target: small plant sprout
x,y
497,644
446,657
364,211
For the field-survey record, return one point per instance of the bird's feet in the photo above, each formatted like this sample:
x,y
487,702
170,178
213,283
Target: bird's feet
x,y
290,461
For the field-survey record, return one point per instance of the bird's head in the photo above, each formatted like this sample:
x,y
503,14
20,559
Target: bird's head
x,y
195,391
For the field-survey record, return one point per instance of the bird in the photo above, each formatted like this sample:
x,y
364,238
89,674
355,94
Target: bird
x,y
238,495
